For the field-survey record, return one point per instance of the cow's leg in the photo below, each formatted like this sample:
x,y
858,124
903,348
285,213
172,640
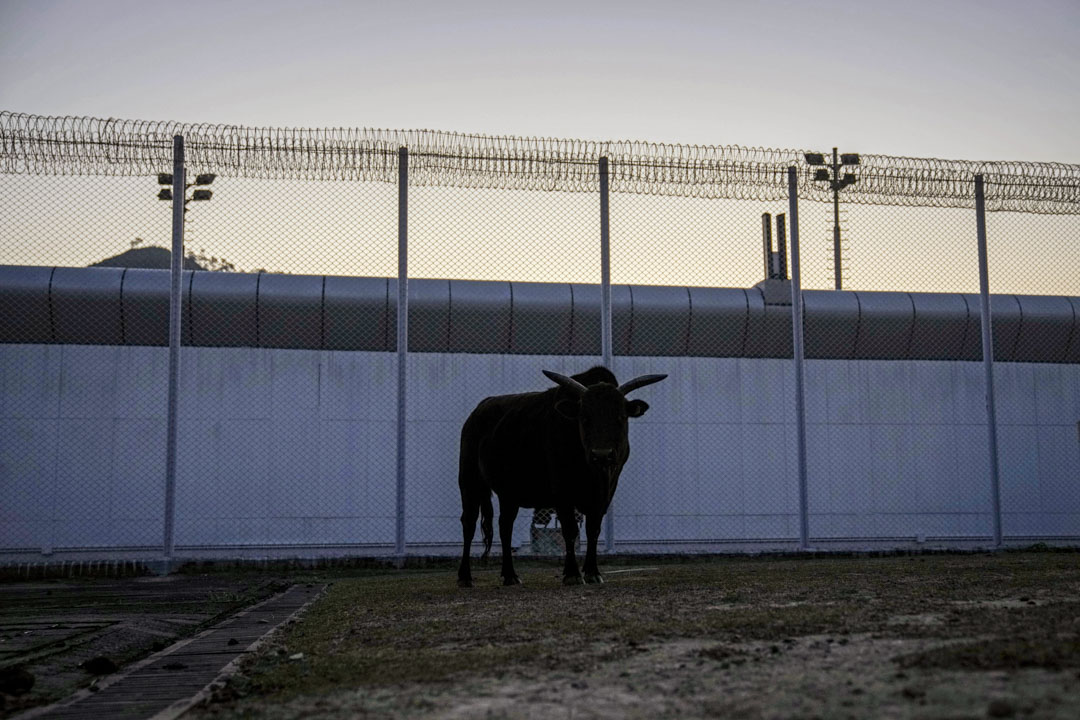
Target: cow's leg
x,y
507,515
592,532
470,510
571,574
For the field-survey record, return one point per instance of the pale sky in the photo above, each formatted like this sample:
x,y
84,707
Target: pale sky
x,y
958,79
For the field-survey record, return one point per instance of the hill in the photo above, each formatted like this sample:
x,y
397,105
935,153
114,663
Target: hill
x,y
154,258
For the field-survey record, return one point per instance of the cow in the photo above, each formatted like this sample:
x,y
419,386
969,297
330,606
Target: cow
x,y
563,447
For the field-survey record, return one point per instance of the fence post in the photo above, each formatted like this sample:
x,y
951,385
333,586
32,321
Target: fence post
x,y
402,342
797,348
176,274
605,267
605,317
988,355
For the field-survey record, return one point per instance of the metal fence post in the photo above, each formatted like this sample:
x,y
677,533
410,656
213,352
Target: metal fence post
x,y
797,347
402,341
605,316
988,355
176,273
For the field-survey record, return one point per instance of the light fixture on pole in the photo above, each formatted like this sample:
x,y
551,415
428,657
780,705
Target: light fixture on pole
x,y
201,181
198,195
837,183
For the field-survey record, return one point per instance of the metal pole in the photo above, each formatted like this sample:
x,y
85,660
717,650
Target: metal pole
x,y
605,267
988,355
176,274
781,245
766,241
402,341
605,316
836,218
797,338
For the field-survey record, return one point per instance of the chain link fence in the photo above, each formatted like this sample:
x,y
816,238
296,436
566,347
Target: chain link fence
x,y
897,437
305,428
82,445
280,444
711,460
1034,270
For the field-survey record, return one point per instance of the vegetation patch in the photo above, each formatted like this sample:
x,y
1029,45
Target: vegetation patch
x,y
825,635
1047,651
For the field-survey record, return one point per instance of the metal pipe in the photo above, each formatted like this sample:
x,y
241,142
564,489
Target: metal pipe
x,y
797,346
402,342
176,274
781,245
766,241
988,355
838,272
605,267
605,316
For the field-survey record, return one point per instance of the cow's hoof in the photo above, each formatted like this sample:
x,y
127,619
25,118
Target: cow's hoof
x,y
596,579
573,580
512,580
464,582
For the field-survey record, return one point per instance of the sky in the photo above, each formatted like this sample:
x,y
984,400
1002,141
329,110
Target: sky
x,y
957,79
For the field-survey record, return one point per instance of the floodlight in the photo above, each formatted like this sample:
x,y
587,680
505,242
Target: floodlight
x,y
164,179
205,178
202,194
165,194
836,184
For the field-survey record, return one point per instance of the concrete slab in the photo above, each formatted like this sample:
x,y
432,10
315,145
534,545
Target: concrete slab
x,y
169,682
52,625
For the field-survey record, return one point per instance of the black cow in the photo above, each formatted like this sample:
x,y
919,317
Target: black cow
x,y
562,448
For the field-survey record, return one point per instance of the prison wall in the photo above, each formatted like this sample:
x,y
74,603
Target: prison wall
x,y
288,411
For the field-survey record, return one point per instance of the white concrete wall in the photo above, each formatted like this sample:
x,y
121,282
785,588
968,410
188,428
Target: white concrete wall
x,y
297,447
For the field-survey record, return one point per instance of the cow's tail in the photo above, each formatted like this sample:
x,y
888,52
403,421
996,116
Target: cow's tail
x,y
487,514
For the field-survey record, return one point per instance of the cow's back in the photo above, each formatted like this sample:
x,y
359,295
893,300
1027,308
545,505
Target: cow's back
x,y
514,435
480,431
486,415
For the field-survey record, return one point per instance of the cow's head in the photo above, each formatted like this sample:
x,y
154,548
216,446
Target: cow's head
x,y
601,412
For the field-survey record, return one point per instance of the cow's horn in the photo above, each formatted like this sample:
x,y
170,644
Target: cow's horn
x,y
567,382
631,385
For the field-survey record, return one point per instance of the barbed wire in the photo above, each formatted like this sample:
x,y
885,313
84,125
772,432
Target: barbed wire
x,y
54,145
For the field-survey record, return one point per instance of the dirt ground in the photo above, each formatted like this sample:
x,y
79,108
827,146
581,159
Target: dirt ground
x,y
922,636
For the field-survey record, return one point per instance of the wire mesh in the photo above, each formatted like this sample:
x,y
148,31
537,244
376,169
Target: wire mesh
x,y
289,375
288,406
712,462
896,424
1035,277
82,413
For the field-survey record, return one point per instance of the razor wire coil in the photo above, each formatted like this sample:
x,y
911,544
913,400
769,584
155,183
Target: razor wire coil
x,y
66,145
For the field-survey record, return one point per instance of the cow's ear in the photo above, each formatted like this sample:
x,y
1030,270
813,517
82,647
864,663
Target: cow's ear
x,y
568,408
636,408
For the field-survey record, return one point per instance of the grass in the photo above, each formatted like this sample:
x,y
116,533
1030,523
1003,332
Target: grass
x,y
416,627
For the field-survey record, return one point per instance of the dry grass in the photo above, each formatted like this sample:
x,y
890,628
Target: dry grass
x,y
413,644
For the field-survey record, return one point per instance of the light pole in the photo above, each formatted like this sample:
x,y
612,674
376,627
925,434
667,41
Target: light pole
x,y
837,183
200,194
